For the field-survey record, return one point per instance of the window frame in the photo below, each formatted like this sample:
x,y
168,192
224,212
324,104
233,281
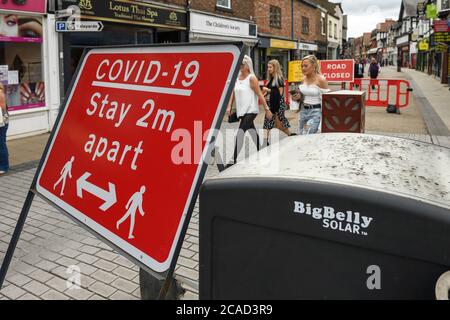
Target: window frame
x,y
271,19
305,25
323,25
222,6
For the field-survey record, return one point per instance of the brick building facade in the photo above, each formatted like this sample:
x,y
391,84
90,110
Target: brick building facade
x,y
310,27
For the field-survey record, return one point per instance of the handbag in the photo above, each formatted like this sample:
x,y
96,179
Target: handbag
x,y
2,118
233,118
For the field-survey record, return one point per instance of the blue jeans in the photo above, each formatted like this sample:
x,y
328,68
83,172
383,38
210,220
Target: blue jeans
x,y
4,162
310,118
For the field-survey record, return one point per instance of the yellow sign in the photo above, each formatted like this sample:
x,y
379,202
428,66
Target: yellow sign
x,y
283,44
295,73
424,45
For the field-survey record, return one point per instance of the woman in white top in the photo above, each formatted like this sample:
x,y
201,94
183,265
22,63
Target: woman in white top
x,y
314,84
246,93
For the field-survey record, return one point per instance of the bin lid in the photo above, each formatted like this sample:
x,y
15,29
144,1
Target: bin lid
x,y
404,167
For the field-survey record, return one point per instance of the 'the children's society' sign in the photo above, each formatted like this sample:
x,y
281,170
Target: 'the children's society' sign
x,y
126,157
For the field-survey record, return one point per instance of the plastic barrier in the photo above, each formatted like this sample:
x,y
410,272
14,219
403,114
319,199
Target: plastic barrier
x,y
382,92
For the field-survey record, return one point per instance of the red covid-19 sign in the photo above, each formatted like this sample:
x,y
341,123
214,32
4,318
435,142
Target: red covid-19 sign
x,y
126,156
337,70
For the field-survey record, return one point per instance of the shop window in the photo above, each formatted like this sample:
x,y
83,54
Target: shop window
x,y
323,26
223,4
21,61
305,25
275,16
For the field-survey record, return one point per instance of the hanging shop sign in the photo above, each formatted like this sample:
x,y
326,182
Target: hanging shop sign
x,y
424,45
441,26
441,37
132,12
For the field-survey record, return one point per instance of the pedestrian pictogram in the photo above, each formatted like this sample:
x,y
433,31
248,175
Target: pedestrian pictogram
x,y
134,204
120,159
66,171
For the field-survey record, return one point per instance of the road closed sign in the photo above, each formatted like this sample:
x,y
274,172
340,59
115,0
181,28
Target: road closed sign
x,y
126,156
337,70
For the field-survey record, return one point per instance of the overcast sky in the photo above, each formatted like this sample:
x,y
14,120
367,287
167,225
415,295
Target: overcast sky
x,y
363,15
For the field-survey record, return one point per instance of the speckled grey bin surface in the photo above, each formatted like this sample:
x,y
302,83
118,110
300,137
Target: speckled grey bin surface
x,y
403,167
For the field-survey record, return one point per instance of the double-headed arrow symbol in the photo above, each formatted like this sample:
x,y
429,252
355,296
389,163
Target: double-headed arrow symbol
x,y
108,196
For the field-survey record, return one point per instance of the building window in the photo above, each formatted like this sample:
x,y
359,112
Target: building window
x,y
335,31
323,26
21,62
330,29
275,16
445,4
223,4
305,25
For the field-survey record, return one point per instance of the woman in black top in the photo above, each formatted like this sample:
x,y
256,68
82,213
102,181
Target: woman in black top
x,y
275,88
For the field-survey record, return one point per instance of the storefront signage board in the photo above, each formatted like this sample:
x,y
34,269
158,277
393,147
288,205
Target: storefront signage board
x,y
131,12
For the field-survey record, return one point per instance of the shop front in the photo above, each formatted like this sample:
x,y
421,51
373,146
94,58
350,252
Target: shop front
x,y
403,50
392,56
213,28
332,50
413,54
278,49
23,66
322,51
423,55
125,23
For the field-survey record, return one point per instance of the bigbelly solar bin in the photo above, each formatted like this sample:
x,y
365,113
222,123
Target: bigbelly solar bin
x,y
328,216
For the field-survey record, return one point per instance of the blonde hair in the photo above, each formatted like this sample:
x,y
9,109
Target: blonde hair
x,y
314,62
277,74
247,61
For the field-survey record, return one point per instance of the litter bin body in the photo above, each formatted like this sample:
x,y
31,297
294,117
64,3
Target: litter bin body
x,y
344,111
338,216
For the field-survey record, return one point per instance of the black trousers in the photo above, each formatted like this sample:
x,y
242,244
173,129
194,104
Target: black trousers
x,y
245,125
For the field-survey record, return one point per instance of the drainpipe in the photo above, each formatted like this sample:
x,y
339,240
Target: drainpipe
x,y
292,24
292,19
188,20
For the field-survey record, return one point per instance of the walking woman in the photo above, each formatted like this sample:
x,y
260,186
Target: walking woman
x,y
246,93
312,88
4,162
274,89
